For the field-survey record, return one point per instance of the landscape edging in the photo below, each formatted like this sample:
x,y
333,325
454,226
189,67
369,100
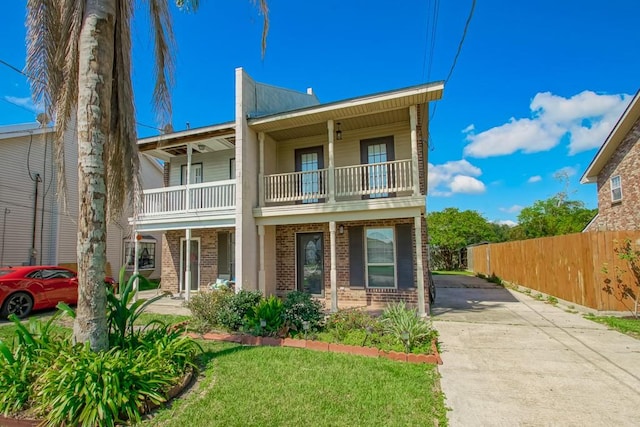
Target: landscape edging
x,y
433,359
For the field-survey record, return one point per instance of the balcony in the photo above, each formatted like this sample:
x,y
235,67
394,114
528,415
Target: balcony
x,y
207,201
377,180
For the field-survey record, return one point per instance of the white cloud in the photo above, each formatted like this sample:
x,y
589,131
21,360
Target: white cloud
x,y
512,209
506,222
467,185
469,128
586,118
535,178
24,103
565,171
454,177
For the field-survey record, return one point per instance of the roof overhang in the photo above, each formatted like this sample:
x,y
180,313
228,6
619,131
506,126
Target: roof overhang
x,y
617,135
204,139
371,104
25,129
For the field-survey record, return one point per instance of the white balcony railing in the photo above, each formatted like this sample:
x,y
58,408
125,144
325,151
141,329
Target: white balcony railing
x,y
203,196
307,187
374,180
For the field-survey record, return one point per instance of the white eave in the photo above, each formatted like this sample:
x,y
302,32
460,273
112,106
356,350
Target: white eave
x,y
386,101
24,129
617,135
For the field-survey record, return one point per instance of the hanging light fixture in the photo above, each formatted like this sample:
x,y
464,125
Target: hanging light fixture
x,y
338,132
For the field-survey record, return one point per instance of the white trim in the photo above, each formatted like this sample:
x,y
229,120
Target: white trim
x,y
181,287
366,258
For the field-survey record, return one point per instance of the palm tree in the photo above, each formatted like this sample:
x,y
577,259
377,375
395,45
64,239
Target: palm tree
x,y
79,63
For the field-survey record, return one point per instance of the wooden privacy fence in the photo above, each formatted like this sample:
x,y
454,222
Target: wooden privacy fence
x,y
568,267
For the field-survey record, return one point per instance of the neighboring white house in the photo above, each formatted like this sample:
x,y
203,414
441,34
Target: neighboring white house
x,y
34,228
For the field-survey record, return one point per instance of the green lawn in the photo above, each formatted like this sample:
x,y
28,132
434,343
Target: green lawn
x,y
456,272
625,325
272,386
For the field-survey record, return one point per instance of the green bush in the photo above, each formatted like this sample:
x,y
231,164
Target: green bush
x,y
406,326
231,314
206,307
271,312
339,324
300,307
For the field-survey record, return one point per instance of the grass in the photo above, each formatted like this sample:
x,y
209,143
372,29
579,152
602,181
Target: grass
x,y
455,272
292,387
625,325
169,319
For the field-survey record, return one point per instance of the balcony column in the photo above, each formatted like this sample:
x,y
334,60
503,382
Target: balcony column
x,y
136,250
261,272
188,191
331,172
415,167
261,171
187,262
419,267
334,273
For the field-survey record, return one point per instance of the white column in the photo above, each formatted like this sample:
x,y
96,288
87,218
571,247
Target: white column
x,y
415,171
187,267
261,171
136,250
331,172
188,191
334,273
261,273
419,266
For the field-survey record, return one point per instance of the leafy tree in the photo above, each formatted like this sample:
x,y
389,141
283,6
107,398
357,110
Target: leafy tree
x,y
553,217
451,230
79,60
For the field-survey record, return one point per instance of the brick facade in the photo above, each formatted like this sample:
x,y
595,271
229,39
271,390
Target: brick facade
x,y
348,296
171,257
625,161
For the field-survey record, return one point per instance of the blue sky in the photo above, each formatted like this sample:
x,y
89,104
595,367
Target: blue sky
x,y
536,88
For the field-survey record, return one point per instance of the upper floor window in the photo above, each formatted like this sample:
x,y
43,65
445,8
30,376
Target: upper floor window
x,y
309,161
232,168
616,189
195,176
376,153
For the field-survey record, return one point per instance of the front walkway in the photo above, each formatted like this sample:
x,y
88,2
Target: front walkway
x,y
511,360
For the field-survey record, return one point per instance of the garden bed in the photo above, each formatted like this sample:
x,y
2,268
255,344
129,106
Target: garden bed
x,y
433,358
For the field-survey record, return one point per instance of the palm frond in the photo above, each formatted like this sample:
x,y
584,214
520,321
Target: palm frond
x,y
164,44
264,8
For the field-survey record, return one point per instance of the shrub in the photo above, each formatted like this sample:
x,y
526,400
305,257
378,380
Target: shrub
x,y
300,307
406,326
231,314
205,307
341,323
271,312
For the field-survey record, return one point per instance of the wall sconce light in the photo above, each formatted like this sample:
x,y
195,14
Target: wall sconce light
x,y
341,229
338,132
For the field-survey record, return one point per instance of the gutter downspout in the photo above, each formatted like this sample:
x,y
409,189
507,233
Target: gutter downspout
x,y
32,253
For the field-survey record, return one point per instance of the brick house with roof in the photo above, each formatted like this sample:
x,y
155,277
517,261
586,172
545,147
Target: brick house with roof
x,y
616,170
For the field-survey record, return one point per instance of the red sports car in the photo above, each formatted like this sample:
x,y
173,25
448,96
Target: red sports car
x,y
27,288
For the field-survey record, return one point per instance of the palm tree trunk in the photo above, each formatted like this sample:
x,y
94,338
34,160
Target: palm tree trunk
x,y
96,56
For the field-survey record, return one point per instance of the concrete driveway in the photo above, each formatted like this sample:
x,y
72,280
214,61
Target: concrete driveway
x,y
511,360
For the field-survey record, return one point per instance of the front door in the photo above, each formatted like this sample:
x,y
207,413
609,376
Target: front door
x,y
309,259
194,264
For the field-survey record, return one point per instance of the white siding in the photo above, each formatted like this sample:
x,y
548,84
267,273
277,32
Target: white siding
x,y
215,166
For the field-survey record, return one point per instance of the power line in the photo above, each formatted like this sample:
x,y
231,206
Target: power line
x,y
19,71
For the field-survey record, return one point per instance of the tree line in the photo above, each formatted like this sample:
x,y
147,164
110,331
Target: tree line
x,y
452,230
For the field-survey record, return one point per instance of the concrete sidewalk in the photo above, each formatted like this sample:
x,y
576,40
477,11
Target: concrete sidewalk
x,y
165,305
510,360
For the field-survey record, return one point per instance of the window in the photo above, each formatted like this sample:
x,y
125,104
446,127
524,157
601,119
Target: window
x,y
616,189
380,254
376,153
146,254
309,161
196,174
232,168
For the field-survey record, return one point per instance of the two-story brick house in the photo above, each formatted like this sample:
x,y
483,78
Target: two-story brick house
x,y
296,194
616,170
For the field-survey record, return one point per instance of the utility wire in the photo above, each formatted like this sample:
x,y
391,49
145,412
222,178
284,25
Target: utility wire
x,y
19,71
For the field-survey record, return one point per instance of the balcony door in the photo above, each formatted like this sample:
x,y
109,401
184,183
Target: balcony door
x,y
195,175
309,161
376,152
309,263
